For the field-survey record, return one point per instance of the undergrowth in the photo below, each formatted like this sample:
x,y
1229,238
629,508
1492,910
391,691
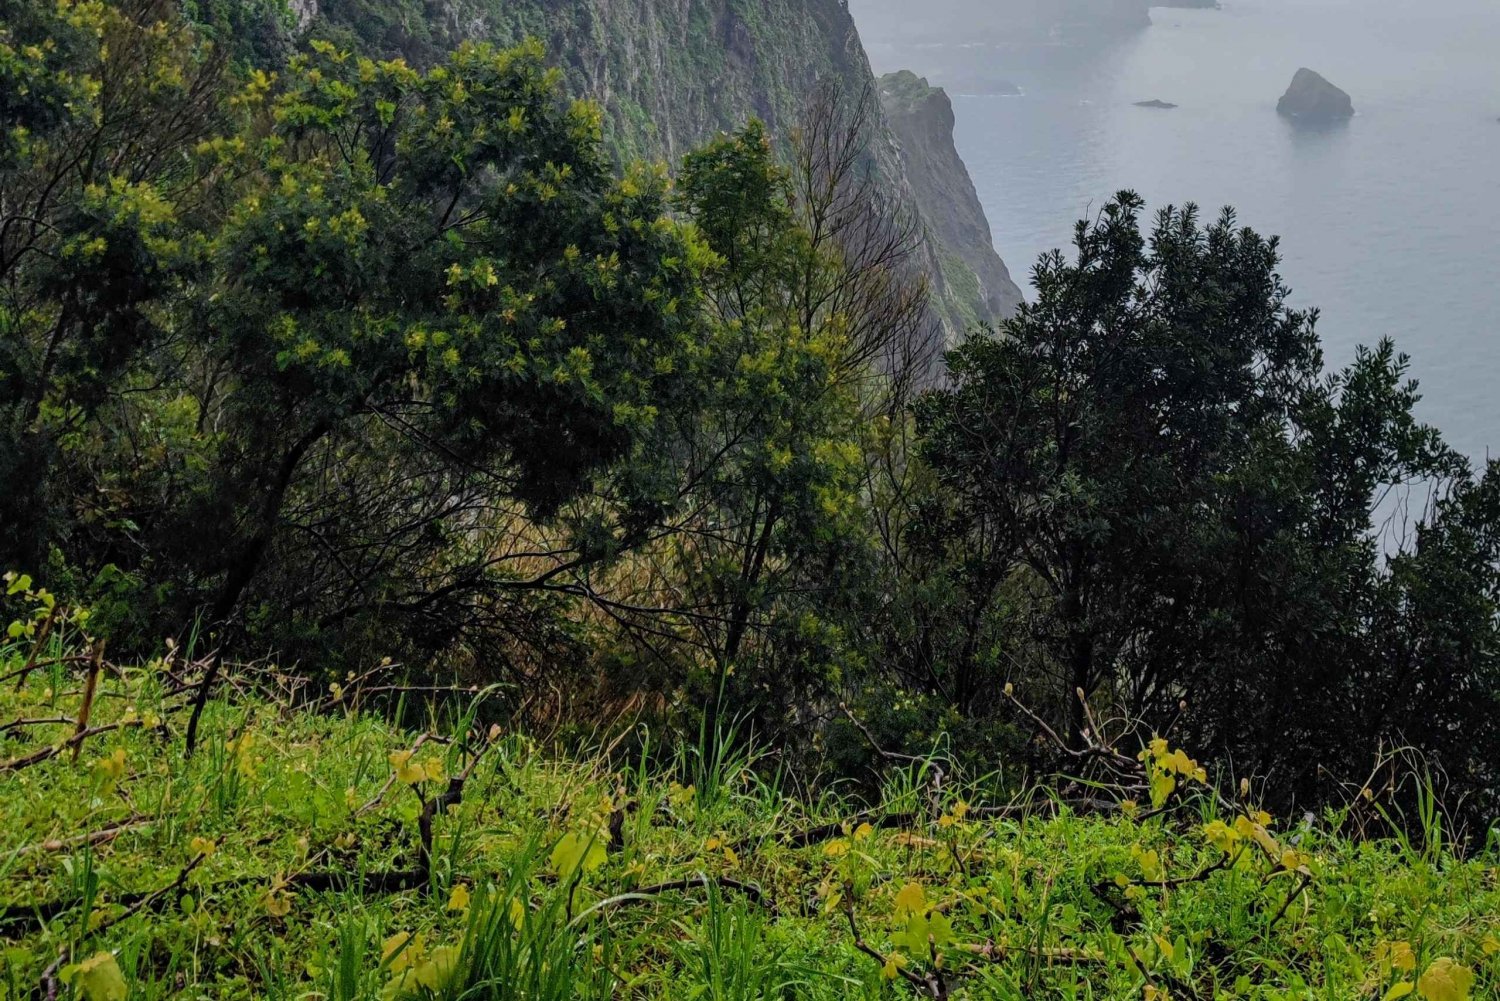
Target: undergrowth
x,y
315,851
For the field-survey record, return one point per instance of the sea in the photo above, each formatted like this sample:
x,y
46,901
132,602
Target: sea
x,y
1389,224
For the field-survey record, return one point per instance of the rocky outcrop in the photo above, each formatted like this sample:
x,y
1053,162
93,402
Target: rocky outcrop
x,y
922,118
1159,105
1311,98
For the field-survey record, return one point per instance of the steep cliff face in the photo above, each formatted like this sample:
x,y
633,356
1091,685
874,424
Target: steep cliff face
x,y
670,73
921,116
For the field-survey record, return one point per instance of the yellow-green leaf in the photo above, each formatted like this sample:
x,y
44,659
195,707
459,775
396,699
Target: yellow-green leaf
x,y
407,772
1395,956
577,852
97,978
1445,980
401,951
439,968
940,928
911,899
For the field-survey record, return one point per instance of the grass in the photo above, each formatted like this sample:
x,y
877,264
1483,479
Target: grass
x,y
285,860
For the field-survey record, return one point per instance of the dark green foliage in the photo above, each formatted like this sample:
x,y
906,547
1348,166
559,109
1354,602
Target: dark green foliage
x,y
280,348
1155,483
256,31
96,100
771,472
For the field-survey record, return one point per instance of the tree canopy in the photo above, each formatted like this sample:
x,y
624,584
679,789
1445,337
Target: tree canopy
x,y
300,336
1187,508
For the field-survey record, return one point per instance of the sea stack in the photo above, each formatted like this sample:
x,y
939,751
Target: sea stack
x,y
1311,98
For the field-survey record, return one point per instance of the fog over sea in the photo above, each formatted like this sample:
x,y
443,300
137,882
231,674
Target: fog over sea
x,y
1390,224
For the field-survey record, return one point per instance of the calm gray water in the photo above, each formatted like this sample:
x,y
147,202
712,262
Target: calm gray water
x,y
1390,224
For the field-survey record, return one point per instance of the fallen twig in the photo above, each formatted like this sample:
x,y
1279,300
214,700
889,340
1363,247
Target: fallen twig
x,y
996,952
751,891
148,901
21,672
98,837
23,723
18,919
48,753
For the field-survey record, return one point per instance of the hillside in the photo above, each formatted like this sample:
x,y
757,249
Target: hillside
x,y
442,562
668,74
671,74
309,848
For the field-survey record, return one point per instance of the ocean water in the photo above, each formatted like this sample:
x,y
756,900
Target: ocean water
x,y
1390,224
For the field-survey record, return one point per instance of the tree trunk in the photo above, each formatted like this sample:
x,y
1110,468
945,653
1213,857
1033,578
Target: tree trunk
x,y
246,564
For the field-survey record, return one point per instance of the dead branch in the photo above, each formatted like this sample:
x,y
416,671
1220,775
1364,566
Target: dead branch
x,y
90,687
99,837
700,881
36,647
77,740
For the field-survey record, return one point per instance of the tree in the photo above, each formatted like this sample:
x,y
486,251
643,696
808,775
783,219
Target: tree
x,y
1435,650
300,379
1178,502
100,107
814,323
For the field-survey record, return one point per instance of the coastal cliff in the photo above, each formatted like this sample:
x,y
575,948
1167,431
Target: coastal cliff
x,y
922,118
671,73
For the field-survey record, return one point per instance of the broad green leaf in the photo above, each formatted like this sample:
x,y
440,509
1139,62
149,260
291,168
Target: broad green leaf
x,y
940,928
1445,980
577,851
97,978
913,937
